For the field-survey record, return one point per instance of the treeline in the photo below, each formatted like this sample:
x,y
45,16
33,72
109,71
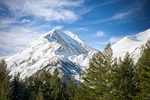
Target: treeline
x,y
107,78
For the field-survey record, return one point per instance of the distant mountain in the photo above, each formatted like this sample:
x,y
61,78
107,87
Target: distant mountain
x,y
56,49
67,52
131,44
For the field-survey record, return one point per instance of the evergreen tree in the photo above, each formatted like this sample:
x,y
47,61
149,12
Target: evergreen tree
x,y
144,72
55,85
28,87
16,87
109,63
39,96
42,86
97,78
72,90
124,82
4,81
48,87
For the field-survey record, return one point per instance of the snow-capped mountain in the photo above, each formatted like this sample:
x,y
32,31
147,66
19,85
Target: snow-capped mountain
x,y
56,49
131,44
67,52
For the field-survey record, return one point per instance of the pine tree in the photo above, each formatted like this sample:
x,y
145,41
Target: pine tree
x,y
28,87
55,85
5,88
39,96
42,83
48,87
109,63
124,82
72,90
97,78
144,72
16,87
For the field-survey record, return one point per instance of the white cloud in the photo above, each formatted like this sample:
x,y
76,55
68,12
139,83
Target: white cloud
x,y
99,34
102,43
37,17
111,40
25,20
2,9
15,39
130,13
115,17
84,29
120,15
88,9
58,27
50,10
114,39
5,22
77,29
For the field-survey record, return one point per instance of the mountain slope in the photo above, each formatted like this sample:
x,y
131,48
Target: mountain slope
x,y
56,49
131,44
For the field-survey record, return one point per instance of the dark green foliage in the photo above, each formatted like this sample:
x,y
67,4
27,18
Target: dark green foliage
x,y
124,81
4,81
16,88
43,82
55,85
72,90
106,79
27,87
97,78
48,87
58,86
39,96
144,72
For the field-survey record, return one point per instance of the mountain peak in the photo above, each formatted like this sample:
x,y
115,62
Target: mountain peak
x,y
63,34
131,44
56,49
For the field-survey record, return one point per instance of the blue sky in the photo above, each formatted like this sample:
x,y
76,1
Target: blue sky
x,y
97,22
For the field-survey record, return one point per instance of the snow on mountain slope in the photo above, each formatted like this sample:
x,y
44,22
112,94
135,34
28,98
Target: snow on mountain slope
x,y
131,44
56,49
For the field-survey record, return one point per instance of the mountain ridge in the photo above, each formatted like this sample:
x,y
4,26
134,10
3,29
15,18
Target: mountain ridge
x,y
68,53
131,44
56,49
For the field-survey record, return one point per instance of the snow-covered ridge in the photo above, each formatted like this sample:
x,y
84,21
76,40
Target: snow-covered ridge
x,y
66,52
66,34
131,44
56,49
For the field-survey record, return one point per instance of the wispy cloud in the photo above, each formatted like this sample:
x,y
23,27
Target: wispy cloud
x,y
120,15
88,9
102,43
2,9
114,39
50,10
99,34
77,29
58,27
84,29
115,17
107,2
129,12
25,20
16,39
